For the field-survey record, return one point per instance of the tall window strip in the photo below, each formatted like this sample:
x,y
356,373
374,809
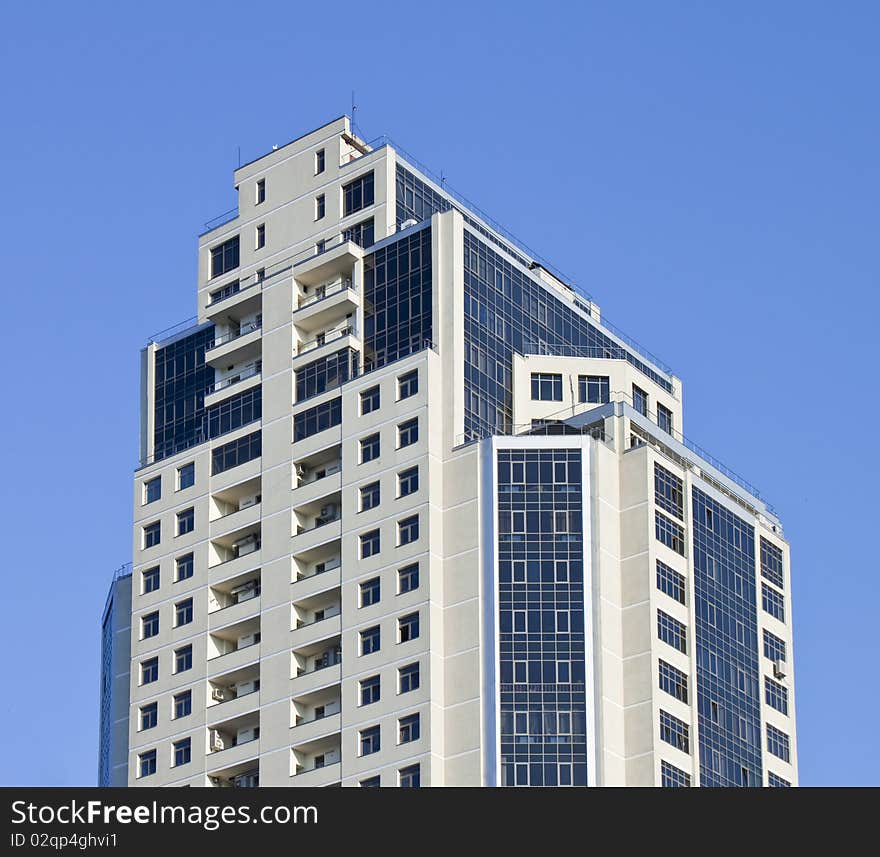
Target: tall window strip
x,y
668,492
773,602
672,777
669,533
671,582
673,681
237,452
774,647
317,419
771,563
778,743
674,731
776,695
671,631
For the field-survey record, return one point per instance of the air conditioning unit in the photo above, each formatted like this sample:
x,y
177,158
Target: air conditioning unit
x,y
216,741
246,545
300,471
779,669
245,735
218,694
245,687
411,221
328,511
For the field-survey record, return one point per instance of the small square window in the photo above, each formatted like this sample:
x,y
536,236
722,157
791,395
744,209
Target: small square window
x,y
640,400
152,534
182,752
149,715
183,659
369,544
370,640
664,418
150,579
369,448
408,578
320,206
369,400
183,612
408,481
370,590
183,704
369,496
319,162
261,191
410,777
407,530
408,433
186,521
408,384
147,763
408,628
408,729
186,476
261,236
152,490
320,246
150,625
546,386
184,566
149,670
408,677
370,690
371,783
370,740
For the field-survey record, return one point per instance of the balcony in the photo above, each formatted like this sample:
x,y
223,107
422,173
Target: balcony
x,y
236,300
316,729
240,519
316,583
237,381
237,612
238,344
316,631
234,694
238,754
234,659
320,532
325,305
316,678
235,547
334,262
325,776
242,776
325,343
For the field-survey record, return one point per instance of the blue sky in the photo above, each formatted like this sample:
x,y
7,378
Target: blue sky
x,y
708,172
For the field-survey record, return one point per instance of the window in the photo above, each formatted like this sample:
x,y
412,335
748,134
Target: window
x,y
773,602
408,578
664,418
320,246
674,731
317,419
149,670
408,384
319,161
370,592
261,191
771,563
369,544
669,533
407,530
370,740
182,752
369,448
640,400
183,704
408,729
776,695
408,481
774,781
546,387
151,579
186,476
152,490
672,777
236,452
778,743
320,206
369,690
408,678
671,631
369,400
149,715
668,492
594,389
363,234
371,783
408,628
369,496
357,194
673,681
186,521
147,763
671,582
152,534
183,612
774,648
150,625
408,433
370,640
183,659
410,777
260,237
224,257
184,566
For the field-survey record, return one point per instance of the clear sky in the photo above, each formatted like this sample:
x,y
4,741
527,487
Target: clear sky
x,y
707,171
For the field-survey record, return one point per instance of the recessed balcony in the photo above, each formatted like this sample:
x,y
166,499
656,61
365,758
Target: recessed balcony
x,y
234,693
244,775
334,262
324,343
322,307
236,343
312,763
235,380
314,730
234,600
236,300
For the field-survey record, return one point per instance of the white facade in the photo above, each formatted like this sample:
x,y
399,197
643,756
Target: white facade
x,y
282,586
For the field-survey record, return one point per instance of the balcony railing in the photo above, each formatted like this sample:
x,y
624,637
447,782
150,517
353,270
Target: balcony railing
x,y
319,522
220,220
332,662
324,338
244,330
301,624
328,470
247,372
326,291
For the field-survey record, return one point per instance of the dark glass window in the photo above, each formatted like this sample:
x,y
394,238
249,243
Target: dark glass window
x,y
370,640
224,257
672,777
771,563
236,452
408,433
370,690
408,578
369,496
369,448
408,384
664,418
370,740
369,400
261,236
317,419
319,161
370,590
668,491
776,695
151,579
183,704
326,373
640,400
357,194
183,659
261,191
152,490
671,582
774,648
362,234
408,729
593,388
773,602
410,777
778,743
369,544
371,782
150,625
669,533
183,612
408,628
184,566
408,677
408,481
774,781
673,681
671,631
149,670
546,387
149,715
182,752
186,521
235,412
186,476
320,206
227,291
408,530
147,763
674,731
152,534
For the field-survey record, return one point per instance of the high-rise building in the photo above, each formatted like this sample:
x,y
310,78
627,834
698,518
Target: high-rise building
x,y
410,513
